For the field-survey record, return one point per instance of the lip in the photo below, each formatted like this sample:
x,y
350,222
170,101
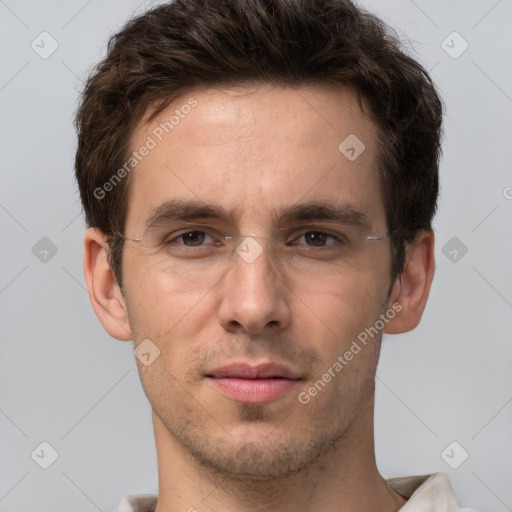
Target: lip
x,y
253,384
259,371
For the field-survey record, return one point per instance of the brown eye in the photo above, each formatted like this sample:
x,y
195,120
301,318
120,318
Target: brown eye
x,y
320,239
193,238
316,238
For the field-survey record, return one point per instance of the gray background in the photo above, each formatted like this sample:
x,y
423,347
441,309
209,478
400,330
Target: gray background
x,y
64,381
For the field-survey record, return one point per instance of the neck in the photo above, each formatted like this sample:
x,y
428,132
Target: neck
x,y
344,478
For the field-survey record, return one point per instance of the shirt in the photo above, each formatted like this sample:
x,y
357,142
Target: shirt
x,y
425,493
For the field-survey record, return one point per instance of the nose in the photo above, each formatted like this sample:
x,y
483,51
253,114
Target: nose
x,y
254,296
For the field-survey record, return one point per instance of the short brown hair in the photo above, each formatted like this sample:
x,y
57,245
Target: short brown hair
x,y
189,44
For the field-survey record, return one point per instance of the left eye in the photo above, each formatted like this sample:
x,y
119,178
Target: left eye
x,y
318,238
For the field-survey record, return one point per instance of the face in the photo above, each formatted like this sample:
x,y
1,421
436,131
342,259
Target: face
x,y
246,337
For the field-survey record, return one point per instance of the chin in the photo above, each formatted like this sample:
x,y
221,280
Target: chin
x,y
259,451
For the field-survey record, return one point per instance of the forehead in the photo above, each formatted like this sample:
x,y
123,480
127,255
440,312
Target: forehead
x,y
250,150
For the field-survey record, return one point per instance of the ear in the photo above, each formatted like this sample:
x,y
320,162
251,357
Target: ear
x,y
412,287
104,293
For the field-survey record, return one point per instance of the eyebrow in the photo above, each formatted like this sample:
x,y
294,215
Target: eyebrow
x,y
188,210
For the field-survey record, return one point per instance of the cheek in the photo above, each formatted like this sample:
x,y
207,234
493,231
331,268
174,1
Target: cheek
x,y
347,318
347,309
156,304
346,344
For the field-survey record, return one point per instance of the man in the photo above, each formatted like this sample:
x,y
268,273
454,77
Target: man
x,y
259,179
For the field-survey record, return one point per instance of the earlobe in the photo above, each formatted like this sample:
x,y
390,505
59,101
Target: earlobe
x,y
104,293
412,288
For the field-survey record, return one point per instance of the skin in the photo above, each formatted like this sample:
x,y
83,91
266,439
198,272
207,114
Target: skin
x,y
251,150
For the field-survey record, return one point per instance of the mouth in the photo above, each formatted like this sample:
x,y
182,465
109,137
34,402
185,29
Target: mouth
x,y
253,384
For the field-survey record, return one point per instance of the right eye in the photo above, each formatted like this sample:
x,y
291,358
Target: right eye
x,y
189,238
